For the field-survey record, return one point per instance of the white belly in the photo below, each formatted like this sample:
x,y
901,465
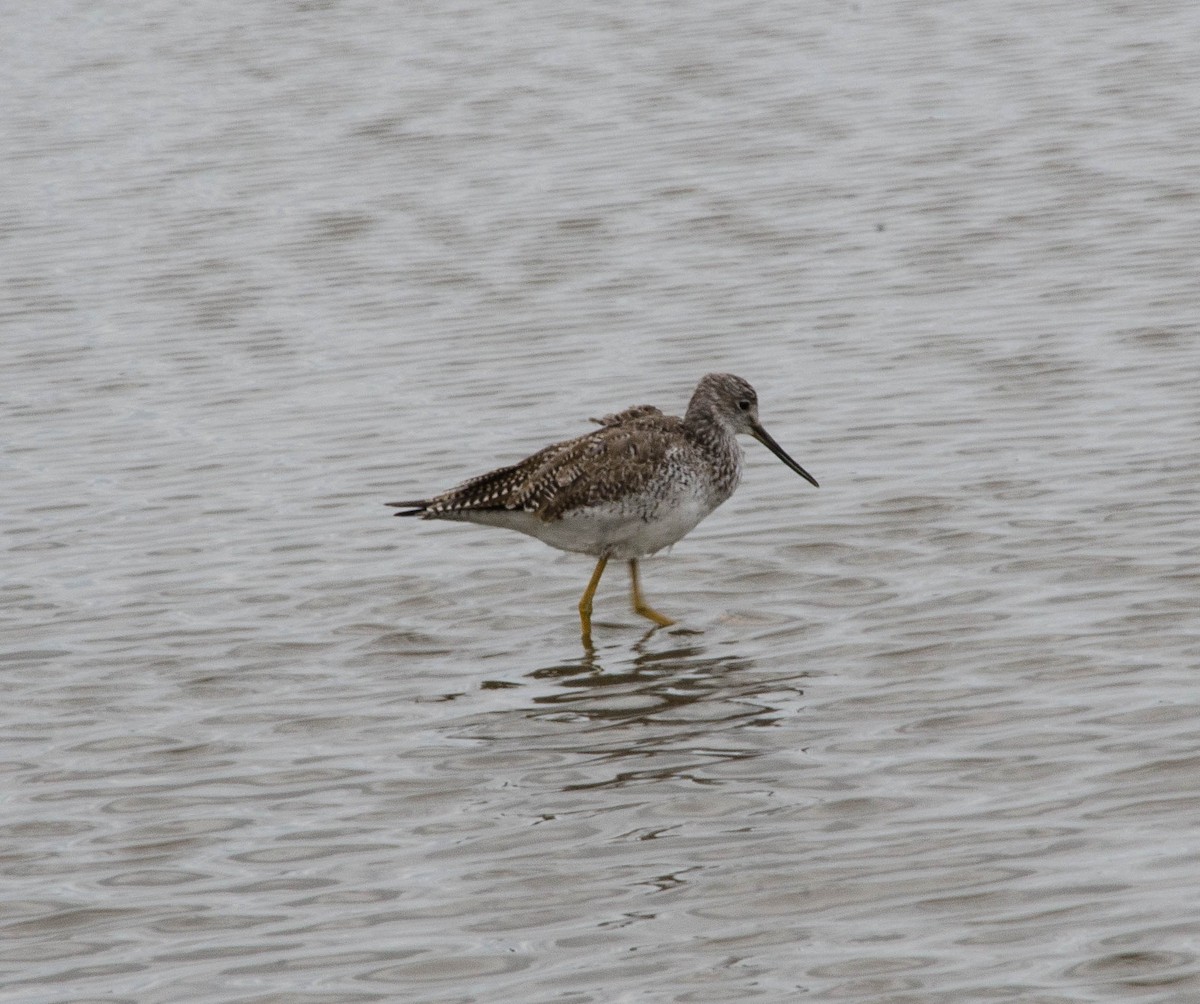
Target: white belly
x,y
603,530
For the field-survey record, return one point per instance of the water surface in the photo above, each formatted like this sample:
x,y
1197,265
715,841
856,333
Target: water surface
x,y
928,734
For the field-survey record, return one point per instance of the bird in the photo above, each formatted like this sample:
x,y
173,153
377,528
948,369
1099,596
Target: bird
x,y
637,484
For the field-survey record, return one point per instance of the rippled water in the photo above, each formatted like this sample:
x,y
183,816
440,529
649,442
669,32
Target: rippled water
x,y
928,734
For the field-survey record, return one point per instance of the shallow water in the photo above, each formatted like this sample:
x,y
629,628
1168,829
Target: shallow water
x,y
928,734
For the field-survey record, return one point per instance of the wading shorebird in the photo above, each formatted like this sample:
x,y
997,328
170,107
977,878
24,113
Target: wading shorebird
x,y
639,483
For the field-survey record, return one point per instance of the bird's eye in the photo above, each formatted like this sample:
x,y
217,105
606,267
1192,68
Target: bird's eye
x,y
744,404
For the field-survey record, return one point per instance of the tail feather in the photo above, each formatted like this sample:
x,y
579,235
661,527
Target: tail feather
x,y
410,508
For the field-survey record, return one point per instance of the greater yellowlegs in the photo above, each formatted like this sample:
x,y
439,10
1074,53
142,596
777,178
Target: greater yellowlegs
x,y
637,484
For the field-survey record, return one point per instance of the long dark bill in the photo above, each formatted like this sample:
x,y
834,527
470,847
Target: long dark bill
x,y
759,433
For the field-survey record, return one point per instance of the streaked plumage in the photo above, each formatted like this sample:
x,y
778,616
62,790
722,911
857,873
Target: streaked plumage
x,y
635,485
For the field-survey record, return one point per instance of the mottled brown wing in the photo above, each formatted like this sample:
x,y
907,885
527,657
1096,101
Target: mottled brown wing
x,y
614,462
622,457
514,487
498,489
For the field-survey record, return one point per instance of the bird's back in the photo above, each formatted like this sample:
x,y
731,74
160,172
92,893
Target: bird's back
x,y
622,460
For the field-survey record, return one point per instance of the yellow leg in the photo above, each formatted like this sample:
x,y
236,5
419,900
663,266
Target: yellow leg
x,y
585,601
639,601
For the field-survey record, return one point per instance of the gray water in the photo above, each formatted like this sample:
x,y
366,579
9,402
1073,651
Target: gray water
x,y
927,735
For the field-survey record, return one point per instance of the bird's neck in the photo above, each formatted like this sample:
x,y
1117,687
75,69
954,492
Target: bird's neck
x,y
703,422
718,442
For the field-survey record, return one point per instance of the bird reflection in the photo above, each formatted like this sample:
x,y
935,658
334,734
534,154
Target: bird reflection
x,y
669,713
663,680
664,714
